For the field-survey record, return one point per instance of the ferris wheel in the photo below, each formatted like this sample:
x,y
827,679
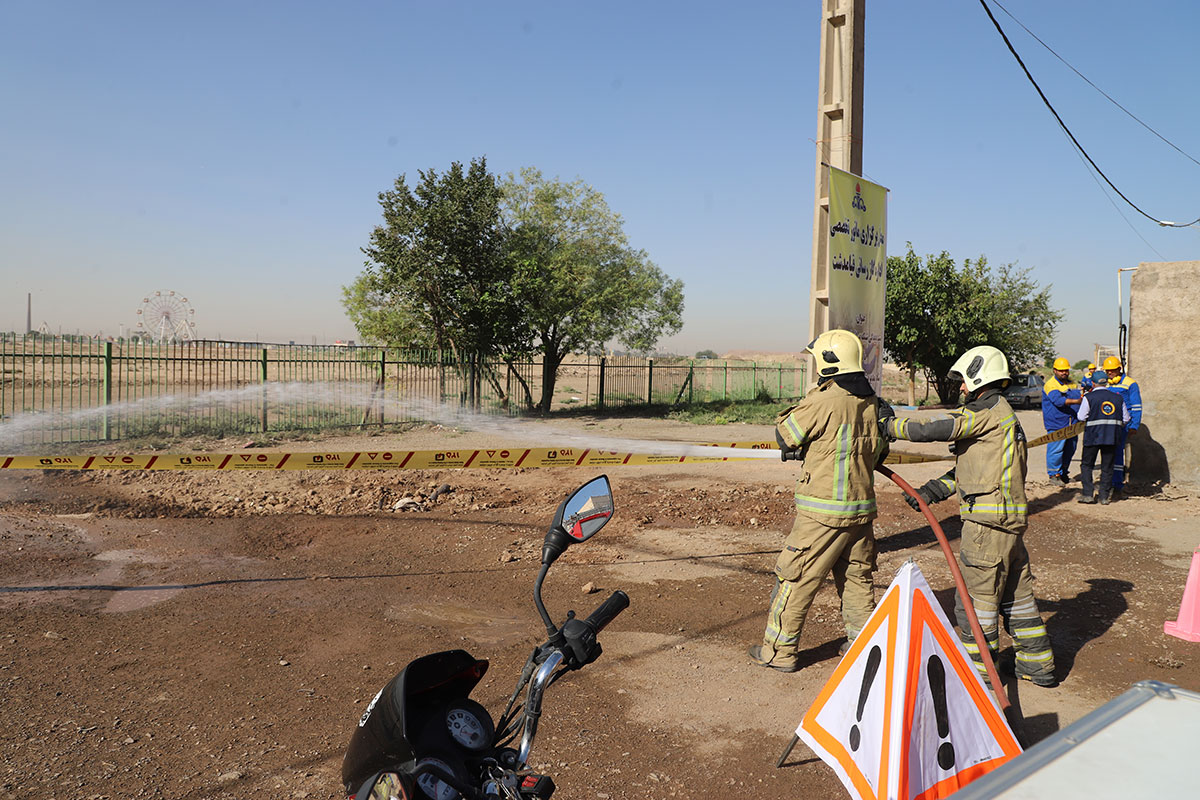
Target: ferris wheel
x,y
166,317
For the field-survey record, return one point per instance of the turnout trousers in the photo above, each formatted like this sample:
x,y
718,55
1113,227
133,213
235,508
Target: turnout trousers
x,y
811,552
996,571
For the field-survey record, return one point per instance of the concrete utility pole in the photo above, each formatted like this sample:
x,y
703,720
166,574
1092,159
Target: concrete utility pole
x,y
839,136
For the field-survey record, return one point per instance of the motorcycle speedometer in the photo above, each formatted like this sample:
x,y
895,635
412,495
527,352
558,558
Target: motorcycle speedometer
x,y
470,725
433,786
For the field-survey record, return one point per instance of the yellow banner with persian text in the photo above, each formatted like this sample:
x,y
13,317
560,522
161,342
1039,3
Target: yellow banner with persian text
x,y
858,264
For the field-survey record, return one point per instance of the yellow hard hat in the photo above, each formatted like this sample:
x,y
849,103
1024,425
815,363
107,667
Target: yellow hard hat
x,y
1091,367
837,352
1061,363
1112,362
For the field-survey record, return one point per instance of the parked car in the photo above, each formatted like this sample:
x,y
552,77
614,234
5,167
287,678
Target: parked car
x,y
1025,391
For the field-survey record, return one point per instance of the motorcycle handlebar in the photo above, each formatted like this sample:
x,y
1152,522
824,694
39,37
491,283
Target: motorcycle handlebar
x,y
607,611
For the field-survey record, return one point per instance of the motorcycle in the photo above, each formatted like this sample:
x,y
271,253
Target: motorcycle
x,y
423,738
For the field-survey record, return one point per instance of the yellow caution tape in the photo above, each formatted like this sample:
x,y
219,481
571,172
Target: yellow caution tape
x,y
494,458
498,458
1059,435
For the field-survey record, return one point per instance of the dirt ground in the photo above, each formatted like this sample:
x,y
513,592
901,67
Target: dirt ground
x,y
217,635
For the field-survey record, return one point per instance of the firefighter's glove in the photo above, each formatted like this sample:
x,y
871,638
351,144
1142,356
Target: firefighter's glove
x,y
931,492
786,452
885,413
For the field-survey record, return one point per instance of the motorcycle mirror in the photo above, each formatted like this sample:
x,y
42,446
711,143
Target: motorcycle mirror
x,y
579,517
386,786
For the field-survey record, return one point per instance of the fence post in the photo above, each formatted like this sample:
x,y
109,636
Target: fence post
x,y
779,391
725,388
263,376
650,381
382,382
753,380
475,398
108,361
692,384
600,388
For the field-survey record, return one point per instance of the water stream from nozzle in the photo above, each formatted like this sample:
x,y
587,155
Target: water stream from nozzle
x,y
38,429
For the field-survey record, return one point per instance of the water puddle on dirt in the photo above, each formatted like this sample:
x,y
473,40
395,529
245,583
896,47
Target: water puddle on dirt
x,y
470,622
108,579
131,598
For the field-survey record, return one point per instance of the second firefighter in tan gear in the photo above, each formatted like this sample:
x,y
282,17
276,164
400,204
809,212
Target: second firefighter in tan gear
x,y
989,480
834,430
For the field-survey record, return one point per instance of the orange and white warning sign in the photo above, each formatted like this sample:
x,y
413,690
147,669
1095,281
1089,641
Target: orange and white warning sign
x,y
905,715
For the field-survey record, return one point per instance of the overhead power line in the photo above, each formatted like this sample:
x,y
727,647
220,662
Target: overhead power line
x,y
1086,80
1067,131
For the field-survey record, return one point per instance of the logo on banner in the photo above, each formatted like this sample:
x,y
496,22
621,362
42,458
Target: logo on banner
x,y
858,201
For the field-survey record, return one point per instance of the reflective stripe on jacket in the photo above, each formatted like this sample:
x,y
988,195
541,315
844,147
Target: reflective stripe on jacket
x,y
1105,417
989,470
1129,390
838,434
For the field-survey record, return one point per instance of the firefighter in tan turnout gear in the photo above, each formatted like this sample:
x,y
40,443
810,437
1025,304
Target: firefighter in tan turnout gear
x,y
835,431
989,478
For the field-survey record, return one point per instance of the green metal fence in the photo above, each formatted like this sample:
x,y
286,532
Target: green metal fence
x,y
77,389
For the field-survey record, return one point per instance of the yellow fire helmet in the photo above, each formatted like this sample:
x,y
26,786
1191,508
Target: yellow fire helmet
x,y
980,366
1091,367
1112,362
1061,363
837,352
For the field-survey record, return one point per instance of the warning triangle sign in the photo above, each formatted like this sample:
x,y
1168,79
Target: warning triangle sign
x,y
905,715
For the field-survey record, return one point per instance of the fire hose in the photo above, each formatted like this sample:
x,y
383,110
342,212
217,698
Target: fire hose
x,y
1011,715
976,630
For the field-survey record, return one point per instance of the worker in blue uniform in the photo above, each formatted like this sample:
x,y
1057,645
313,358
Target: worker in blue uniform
x,y
1131,393
1085,382
1104,412
1060,401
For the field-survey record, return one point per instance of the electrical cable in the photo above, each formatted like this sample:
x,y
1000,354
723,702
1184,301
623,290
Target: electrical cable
x,y
1121,213
1129,113
1071,136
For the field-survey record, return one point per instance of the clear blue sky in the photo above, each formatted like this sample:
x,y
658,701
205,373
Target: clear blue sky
x,y
233,151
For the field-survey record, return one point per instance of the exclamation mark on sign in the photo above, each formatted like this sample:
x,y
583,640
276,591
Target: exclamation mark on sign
x,y
873,659
937,685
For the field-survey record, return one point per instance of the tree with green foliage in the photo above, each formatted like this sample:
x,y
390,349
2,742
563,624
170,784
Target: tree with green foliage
x,y
936,310
379,317
579,282
708,354
1080,365
499,272
440,256
438,263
